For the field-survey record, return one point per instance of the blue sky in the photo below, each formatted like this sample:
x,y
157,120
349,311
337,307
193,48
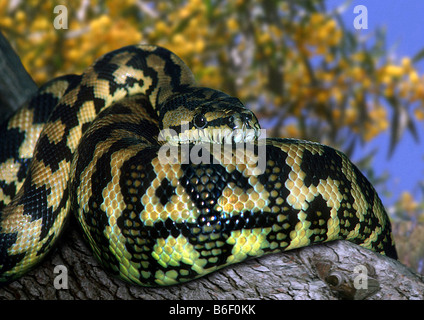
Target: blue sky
x,y
403,21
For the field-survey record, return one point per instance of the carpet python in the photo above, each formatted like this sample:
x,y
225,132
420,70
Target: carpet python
x,y
165,179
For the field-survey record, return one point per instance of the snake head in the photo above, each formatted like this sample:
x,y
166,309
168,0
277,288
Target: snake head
x,y
208,116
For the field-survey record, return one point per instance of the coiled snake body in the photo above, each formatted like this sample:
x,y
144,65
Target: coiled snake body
x,y
163,176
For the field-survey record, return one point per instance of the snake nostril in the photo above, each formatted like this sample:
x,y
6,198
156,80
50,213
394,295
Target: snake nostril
x,y
247,118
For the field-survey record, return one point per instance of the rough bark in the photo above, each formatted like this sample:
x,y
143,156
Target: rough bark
x,y
328,271
335,270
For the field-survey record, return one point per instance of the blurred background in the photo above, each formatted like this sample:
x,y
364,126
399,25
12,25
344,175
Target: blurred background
x,y
317,70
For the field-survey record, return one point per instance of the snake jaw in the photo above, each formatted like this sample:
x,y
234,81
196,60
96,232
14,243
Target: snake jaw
x,y
246,128
239,132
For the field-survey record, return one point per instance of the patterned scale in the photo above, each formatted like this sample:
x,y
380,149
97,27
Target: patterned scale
x,y
168,180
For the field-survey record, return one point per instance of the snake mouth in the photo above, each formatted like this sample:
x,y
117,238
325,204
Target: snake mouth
x,y
224,128
224,135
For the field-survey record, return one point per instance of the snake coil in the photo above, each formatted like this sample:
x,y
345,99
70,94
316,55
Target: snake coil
x,y
169,181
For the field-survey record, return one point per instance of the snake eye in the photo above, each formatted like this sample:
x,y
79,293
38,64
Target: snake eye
x,y
200,121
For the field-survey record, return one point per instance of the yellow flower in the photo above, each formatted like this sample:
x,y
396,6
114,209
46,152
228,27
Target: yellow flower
x,y
330,25
407,202
419,114
316,18
162,27
277,32
336,114
39,62
323,96
6,22
199,45
178,39
389,91
184,12
335,38
393,71
321,49
100,23
73,54
414,77
337,94
351,116
264,37
20,16
358,56
292,131
232,24
406,64
41,24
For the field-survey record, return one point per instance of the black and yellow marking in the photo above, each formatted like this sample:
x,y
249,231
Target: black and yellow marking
x,y
91,144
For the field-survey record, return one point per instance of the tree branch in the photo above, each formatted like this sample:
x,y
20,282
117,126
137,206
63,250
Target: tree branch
x,y
330,271
16,85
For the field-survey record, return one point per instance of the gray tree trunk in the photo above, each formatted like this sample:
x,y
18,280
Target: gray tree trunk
x,y
16,85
